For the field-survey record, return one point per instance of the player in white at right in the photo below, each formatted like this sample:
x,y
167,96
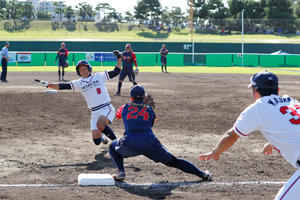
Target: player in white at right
x,y
278,119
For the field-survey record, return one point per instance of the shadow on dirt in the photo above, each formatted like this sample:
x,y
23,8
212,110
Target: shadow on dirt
x,y
100,162
158,190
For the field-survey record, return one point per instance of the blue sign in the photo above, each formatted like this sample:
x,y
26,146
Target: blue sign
x,y
105,57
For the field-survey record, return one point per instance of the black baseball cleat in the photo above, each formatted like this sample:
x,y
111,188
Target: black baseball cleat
x,y
119,176
117,94
206,176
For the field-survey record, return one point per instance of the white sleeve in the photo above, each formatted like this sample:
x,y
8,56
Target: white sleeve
x,y
247,122
75,85
103,76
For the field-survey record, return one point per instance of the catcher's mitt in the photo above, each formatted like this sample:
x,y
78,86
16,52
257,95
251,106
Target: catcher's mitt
x,y
149,100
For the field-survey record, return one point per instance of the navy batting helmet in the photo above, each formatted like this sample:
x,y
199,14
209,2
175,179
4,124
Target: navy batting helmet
x,y
137,92
85,63
264,80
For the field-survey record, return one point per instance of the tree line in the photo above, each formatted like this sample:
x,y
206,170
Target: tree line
x,y
207,14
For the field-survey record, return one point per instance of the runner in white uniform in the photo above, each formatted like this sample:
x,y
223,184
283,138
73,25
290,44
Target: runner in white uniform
x,y
92,87
278,119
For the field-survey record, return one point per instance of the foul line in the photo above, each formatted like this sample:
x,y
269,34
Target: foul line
x,y
159,185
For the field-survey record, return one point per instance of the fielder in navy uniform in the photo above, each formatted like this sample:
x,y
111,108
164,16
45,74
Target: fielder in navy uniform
x,y
138,118
128,58
4,60
163,58
93,88
62,56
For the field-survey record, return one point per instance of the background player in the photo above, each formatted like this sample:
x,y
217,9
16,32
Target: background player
x,y
128,58
62,55
163,58
278,119
138,139
93,88
4,60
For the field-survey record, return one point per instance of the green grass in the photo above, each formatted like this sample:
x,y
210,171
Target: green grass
x,y
43,30
211,70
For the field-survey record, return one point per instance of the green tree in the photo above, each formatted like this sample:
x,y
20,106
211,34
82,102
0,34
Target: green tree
x,y
235,7
26,10
177,17
128,17
104,8
296,6
69,12
279,9
43,15
59,9
85,11
217,9
148,10
3,9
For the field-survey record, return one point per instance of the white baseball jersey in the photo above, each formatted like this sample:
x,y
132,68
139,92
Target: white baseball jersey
x,y
93,88
278,119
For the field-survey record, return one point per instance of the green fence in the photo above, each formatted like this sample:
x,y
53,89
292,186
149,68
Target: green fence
x,y
153,59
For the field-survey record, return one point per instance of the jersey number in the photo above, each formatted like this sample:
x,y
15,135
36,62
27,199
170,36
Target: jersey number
x,y
294,111
98,91
132,114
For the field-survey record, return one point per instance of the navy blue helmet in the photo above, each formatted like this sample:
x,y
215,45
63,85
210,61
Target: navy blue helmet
x,y
83,62
137,92
264,80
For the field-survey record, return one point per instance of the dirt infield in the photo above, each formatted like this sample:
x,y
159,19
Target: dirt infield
x,y
45,139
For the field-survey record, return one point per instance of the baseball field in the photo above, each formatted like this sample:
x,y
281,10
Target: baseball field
x,y
46,143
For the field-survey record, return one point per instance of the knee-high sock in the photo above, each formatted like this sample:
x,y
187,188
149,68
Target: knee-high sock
x,y
58,74
109,133
63,73
165,67
119,87
116,157
162,68
186,166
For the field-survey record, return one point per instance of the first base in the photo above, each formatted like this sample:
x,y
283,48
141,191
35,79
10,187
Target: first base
x,y
51,91
95,179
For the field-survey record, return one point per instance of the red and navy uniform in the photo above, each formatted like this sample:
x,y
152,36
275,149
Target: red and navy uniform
x,y
128,58
138,139
163,59
62,55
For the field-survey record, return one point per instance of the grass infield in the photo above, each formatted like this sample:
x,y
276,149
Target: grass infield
x,y
157,69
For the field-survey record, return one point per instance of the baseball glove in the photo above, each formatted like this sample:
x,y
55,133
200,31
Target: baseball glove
x,y
149,100
117,53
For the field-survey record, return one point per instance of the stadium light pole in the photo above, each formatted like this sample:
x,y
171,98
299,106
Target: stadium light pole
x,y
192,28
243,38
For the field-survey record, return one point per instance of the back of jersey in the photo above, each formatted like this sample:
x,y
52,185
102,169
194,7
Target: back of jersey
x,y
138,119
280,124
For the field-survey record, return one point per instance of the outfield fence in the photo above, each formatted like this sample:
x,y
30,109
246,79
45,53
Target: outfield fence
x,y
23,59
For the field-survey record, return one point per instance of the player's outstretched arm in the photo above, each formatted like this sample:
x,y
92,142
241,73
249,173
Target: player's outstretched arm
x,y
60,86
228,139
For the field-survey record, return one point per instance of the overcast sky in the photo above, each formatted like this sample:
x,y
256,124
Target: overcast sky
x,y
123,6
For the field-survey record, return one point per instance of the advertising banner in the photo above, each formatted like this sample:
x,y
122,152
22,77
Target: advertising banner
x,y
24,57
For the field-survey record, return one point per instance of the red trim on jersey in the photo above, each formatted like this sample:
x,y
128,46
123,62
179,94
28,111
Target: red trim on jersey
x,y
235,128
290,188
134,58
89,80
276,149
119,112
106,75
67,52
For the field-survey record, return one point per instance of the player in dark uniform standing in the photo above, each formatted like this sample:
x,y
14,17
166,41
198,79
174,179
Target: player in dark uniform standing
x,y
138,118
163,58
128,58
62,56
